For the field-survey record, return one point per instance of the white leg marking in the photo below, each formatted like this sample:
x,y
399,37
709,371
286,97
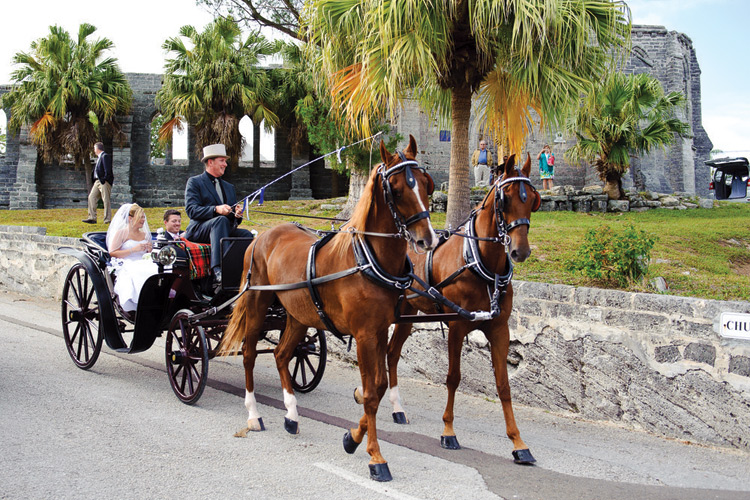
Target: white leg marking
x,y
395,399
291,406
251,405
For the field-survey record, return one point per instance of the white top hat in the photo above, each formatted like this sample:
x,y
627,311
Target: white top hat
x,y
214,151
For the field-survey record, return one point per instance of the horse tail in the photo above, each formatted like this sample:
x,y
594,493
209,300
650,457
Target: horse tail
x,y
231,342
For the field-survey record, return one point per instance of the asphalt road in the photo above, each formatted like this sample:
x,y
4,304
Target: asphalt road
x,y
117,431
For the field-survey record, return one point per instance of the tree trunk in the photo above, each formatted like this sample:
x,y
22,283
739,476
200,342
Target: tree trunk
x,y
357,182
88,169
613,187
459,203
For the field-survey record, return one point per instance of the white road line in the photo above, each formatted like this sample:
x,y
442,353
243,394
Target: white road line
x,y
365,483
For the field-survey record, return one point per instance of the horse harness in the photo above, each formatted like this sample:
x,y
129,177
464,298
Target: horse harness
x,y
363,254
472,258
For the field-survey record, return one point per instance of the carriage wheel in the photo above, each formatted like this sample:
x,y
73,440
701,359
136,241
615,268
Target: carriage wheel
x,y
187,357
80,318
309,361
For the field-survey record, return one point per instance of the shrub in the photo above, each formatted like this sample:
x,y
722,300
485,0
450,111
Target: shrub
x,y
620,257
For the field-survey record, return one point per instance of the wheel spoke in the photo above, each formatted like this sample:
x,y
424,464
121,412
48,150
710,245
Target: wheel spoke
x,y
82,340
300,368
77,289
306,360
75,333
191,377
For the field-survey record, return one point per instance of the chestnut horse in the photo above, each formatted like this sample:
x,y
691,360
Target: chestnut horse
x,y
501,219
369,258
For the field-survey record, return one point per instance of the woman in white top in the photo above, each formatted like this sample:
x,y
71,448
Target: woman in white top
x,y
128,241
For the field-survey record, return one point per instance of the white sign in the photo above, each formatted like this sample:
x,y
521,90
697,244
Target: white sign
x,y
735,325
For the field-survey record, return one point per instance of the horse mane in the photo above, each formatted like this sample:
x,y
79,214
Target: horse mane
x,y
340,243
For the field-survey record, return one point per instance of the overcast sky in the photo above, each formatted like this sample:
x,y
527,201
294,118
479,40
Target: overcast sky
x,y
718,28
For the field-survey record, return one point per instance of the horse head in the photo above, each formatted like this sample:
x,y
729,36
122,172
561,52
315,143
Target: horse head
x,y
406,188
515,200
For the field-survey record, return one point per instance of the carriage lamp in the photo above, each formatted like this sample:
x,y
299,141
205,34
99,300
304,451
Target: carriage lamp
x,y
164,256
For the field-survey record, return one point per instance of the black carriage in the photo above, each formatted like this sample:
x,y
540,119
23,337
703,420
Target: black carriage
x,y
178,300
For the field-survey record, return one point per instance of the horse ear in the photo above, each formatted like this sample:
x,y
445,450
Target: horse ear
x,y
510,165
526,170
385,156
412,147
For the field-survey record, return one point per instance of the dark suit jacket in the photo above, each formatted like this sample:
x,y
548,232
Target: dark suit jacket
x,y
201,198
103,170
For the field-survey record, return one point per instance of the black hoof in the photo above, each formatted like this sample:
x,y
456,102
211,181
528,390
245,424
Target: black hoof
x,y
523,457
380,472
262,427
350,445
449,443
399,417
291,426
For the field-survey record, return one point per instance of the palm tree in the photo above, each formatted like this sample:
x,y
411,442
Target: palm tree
x,y
624,115
214,83
445,51
67,91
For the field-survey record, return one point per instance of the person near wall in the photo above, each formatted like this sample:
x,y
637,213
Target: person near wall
x,y
102,177
546,167
210,204
172,224
128,242
481,160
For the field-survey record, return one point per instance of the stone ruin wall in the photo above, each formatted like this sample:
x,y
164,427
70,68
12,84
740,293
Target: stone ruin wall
x,y
27,184
667,55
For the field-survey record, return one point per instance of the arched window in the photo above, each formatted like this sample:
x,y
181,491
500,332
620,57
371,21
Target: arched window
x,y
264,143
177,150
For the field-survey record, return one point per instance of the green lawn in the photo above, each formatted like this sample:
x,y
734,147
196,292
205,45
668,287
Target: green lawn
x,y
700,253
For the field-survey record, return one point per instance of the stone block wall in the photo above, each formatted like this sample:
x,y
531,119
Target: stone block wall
x,y
647,361
30,262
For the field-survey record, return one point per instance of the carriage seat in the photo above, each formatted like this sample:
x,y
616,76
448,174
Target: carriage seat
x,y
199,254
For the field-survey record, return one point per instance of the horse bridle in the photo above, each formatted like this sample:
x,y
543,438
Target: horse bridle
x,y
503,228
405,165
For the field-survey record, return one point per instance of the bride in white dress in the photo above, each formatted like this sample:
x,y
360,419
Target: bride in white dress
x,y
128,241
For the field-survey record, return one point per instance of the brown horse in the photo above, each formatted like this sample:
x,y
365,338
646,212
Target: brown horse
x,y
362,304
487,269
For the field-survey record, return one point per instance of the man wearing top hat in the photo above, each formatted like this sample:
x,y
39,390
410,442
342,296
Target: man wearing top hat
x,y
209,202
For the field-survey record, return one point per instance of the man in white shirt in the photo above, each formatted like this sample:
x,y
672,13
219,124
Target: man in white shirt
x,y
172,224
